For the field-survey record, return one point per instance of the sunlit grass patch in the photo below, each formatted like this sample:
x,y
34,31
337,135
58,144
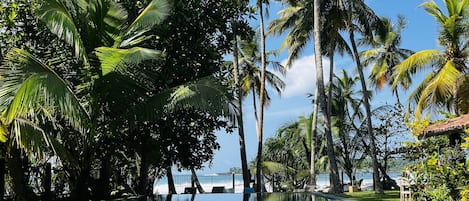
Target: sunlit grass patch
x,y
372,196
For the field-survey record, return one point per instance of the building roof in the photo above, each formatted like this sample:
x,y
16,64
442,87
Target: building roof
x,y
457,124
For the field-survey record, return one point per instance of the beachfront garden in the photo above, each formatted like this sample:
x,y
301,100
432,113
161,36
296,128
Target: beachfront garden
x,y
98,98
371,196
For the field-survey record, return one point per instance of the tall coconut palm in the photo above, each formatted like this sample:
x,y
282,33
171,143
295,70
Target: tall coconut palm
x,y
239,112
238,95
447,66
332,42
260,126
345,108
386,54
360,17
302,20
334,173
248,74
251,73
314,134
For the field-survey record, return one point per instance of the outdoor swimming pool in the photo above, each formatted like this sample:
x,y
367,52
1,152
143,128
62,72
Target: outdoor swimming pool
x,y
244,197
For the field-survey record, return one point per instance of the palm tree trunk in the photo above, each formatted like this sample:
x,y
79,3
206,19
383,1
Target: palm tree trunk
x,y
331,78
261,101
197,182
102,190
143,170
397,97
256,117
333,171
239,115
2,177
366,103
169,175
23,191
314,132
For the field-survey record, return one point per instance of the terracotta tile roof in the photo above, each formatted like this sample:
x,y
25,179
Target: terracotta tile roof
x,y
454,124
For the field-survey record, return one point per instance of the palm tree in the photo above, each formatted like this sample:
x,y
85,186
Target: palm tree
x,y
303,22
100,26
287,153
96,31
247,76
239,111
238,94
333,41
386,54
360,17
346,107
298,17
24,99
260,126
251,73
314,134
334,173
447,66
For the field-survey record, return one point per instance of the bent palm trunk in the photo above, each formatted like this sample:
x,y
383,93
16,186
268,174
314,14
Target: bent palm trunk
x,y
196,180
366,103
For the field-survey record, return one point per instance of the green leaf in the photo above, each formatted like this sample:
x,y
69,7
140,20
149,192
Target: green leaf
x,y
56,16
3,132
153,14
28,85
416,61
114,59
206,94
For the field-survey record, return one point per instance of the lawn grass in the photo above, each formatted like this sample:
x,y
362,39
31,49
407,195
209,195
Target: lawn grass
x,y
371,196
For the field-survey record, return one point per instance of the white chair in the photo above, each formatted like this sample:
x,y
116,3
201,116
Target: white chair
x,y
405,191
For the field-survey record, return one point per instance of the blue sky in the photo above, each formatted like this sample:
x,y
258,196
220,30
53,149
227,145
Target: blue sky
x,y
420,34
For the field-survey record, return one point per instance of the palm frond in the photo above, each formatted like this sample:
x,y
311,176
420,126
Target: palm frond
x,y
113,59
119,91
4,133
153,14
206,94
58,19
275,82
433,9
415,62
106,19
440,90
28,136
29,84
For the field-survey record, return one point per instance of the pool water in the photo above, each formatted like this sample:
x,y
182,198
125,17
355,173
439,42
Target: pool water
x,y
243,197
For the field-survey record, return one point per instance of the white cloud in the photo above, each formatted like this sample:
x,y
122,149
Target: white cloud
x,y
301,77
291,112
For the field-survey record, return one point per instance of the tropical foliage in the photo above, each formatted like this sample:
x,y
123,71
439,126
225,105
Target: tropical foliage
x,y
386,55
112,94
84,112
440,86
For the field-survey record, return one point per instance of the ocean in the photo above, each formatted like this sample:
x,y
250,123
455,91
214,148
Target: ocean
x,y
208,181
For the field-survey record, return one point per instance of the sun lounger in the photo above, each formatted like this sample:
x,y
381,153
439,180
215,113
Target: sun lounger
x,y
218,189
190,190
